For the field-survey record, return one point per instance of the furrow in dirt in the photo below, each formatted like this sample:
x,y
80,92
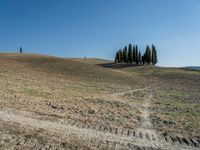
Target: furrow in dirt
x,y
64,129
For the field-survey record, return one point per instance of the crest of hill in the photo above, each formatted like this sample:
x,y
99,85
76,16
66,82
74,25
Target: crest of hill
x,y
60,66
193,68
92,61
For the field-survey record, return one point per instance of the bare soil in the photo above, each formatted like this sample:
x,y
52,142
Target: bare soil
x,y
53,103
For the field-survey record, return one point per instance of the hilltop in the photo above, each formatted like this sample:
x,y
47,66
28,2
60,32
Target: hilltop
x,y
65,103
193,67
93,61
75,68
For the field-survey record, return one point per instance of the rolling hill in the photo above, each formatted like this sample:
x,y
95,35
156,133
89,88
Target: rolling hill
x,y
193,67
50,102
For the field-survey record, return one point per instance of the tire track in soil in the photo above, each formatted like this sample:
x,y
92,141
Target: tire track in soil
x,y
146,130
112,138
110,141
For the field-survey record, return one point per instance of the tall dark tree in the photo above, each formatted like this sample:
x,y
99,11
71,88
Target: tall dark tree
x,y
140,57
120,56
117,57
148,55
136,55
125,54
143,59
130,53
154,55
20,49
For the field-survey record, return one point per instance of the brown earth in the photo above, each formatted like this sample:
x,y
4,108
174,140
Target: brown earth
x,y
53,103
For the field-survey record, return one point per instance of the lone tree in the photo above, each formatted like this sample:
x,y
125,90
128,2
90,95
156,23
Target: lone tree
x,y
20,49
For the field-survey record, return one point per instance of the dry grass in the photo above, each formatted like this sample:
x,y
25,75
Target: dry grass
x,y
77,89
92,61
176,105
68,88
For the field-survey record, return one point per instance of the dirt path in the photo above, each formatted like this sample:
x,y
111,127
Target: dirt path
x,y
146,128
146,125
145,114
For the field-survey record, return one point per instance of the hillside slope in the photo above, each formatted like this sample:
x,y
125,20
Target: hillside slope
x,y
92,61
49,102
67,68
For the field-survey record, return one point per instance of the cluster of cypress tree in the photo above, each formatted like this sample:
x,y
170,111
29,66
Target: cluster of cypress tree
x,y
132,55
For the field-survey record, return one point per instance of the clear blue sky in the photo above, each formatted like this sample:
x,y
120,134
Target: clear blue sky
x,y
97,28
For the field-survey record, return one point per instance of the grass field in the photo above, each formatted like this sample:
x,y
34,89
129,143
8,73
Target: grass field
x,y
56,90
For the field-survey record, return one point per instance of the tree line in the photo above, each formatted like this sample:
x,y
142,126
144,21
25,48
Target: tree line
x,y
131,54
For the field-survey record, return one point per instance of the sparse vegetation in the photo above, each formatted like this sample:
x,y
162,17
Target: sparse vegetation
x,y
79,98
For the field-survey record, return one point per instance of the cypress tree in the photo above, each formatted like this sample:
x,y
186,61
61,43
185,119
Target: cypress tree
x,y
134,54
125,54
148,55
120,56
140,58
143,59
117,57
130,52
154,55
20,49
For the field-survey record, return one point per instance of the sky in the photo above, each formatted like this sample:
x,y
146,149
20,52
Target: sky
x,y
98,28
